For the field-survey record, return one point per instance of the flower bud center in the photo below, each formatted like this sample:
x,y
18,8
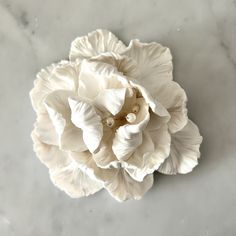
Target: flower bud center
x,y
131,117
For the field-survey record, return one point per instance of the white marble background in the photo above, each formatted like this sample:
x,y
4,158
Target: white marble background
x,y
202,37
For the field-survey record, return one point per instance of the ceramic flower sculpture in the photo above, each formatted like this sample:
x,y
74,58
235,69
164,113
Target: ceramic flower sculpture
x,y
110,116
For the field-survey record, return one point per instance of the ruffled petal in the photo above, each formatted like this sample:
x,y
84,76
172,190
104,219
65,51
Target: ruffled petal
x,y
49,155
70,137
174,99
184,151
95,43
124,64
45,129
123,187
84,116
153,60
61,76
161,112
150,155
128,137
75,182
88,165
104,156
111,99
136,160
103,75
42,88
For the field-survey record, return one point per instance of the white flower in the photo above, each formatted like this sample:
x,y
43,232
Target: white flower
x,y
110,116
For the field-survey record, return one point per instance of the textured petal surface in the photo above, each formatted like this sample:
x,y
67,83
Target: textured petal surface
x,y
70,137
151,154
111,99
96,76
96,42
184,152
128,137
124,64
75,182
84,116
155,105
49,155
45,129
61,76
88,165
104,156
153,60
123,187
174,99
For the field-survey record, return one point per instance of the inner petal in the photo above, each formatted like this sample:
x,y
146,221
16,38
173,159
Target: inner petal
x,y
97,76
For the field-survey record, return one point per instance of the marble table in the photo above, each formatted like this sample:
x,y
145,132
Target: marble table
x,y
202,37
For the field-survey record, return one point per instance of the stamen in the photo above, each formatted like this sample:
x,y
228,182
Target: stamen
x,y
131,117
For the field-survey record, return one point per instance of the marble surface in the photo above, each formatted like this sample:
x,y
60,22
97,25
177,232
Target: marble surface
x,y
202,36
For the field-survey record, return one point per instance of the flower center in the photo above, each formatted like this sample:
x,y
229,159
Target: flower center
x,y
131,117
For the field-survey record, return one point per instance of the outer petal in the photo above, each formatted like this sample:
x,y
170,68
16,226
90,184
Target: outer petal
x,y
154,62
151,154
49,155
96,42
85,117
88,165
174,99
61,76
123,187
103,75
64,172
74,181
70,137
45,129
184,151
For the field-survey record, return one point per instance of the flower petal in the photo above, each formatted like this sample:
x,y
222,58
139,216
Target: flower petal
x,y
70,137
88,165
184,151
153,60
123,147
124,64
104,156
103,75
151,154
174,99
61,76
123,187
74,181
42,88
128,137
45,129
137,159
111,99
96,42
85,117
49,155
156,106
